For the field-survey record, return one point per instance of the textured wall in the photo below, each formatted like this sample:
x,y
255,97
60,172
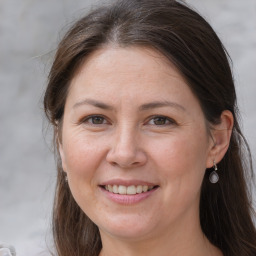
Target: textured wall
x,y
29,32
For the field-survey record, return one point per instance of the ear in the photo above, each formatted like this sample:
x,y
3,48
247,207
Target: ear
x,y
62,156
220,135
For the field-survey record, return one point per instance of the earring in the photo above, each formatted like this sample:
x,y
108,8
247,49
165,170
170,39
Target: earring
x,y
66,178
214,177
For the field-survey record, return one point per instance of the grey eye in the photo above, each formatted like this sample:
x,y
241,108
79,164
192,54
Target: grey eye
x,y
160,120
97,120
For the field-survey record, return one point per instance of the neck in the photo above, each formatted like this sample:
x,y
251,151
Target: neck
x,y
186,239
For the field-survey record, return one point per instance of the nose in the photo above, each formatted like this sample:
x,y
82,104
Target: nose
x,y
125,150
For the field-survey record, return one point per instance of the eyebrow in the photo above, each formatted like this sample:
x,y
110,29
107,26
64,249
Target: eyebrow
x,y
94,103
144,107
161,104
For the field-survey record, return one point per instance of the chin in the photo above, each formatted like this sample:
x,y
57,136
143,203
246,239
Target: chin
x,y
128,228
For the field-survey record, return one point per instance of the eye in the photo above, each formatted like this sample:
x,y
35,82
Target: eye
x,y
95,120
161,120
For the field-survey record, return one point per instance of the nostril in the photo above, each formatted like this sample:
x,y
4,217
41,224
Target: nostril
x,y
126,158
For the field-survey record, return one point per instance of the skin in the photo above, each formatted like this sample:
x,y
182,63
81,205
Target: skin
x,y
126,141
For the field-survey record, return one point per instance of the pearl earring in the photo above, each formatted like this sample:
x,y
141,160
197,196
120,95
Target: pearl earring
x,y
214,177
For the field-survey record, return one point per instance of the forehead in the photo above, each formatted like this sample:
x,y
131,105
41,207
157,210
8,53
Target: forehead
x,y
112,63
133,56
132,73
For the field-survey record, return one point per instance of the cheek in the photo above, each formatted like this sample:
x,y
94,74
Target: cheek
x,y
182,157
181,162
81,155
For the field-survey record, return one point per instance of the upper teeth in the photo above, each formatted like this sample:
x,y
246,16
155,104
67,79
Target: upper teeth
x,y
130,190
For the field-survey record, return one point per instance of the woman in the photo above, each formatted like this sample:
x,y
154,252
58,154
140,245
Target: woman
x,y
151,159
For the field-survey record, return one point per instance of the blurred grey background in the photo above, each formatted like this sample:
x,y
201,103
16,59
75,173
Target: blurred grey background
x,y
29,32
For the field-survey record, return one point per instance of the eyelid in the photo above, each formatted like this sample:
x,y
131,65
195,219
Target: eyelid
x,y
171,120
85,119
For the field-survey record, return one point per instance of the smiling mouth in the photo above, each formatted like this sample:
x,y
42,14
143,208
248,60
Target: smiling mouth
x,y
128,190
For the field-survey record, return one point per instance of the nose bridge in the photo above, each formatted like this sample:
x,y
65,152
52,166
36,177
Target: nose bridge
x,y
125,149
126,139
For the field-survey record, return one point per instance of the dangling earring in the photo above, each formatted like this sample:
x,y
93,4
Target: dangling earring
x,y
66,178
214,177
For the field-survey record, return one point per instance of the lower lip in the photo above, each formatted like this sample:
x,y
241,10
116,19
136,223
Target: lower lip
x,y
128,199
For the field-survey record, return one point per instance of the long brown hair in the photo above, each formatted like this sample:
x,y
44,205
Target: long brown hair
x,y
188,41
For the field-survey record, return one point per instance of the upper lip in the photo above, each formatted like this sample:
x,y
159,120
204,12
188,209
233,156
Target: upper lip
x,y
127,182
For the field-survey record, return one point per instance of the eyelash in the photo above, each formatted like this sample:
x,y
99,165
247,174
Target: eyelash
x,y
162,118
86,120
152,118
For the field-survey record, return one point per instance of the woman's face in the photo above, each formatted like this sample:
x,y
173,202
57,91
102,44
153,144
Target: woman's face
x,y
134,144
